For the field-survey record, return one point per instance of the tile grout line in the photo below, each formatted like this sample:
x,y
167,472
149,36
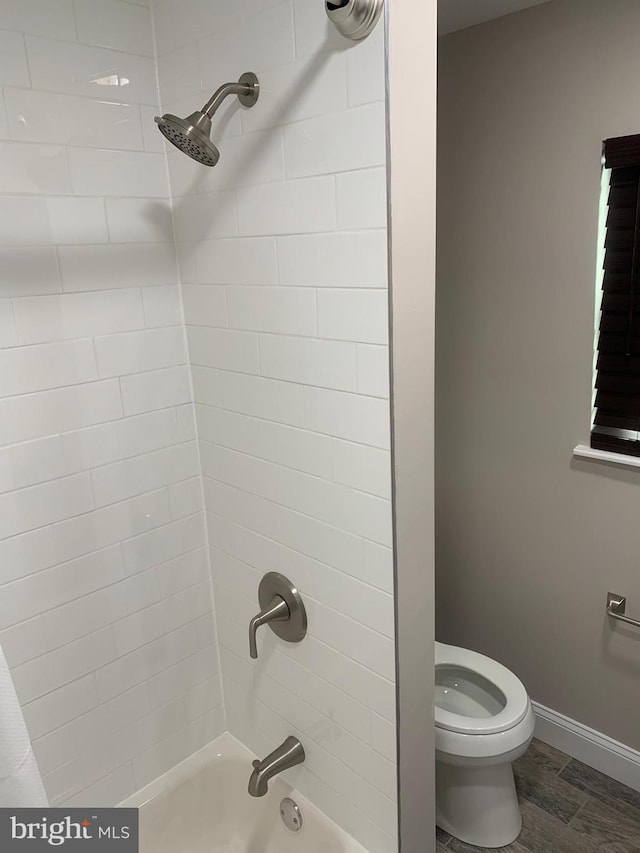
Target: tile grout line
x,y
564,767
586,802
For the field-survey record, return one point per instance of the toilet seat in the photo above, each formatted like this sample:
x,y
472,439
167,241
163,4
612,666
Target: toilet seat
x,y
514,702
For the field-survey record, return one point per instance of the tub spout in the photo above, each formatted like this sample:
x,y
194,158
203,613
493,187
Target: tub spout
x,y
287,755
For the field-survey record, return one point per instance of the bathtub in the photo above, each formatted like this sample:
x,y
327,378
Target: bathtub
x,y
202,806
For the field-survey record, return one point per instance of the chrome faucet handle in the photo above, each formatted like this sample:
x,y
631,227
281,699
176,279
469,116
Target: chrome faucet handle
x,y
282,609
277,611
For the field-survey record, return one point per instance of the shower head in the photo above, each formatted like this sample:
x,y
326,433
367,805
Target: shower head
x,y
192,135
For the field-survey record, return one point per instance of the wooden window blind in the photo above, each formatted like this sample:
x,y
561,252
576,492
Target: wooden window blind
x,y
616,424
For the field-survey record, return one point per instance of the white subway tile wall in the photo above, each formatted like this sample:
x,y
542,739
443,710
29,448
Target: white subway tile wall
x,y
105,605
105,561
283,262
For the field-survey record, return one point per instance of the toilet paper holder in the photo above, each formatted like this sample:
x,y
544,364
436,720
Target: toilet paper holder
x,y
616,606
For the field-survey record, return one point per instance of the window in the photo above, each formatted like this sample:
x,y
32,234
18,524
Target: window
x,y
616,423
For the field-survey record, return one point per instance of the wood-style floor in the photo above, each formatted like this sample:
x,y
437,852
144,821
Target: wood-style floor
x,y
567,807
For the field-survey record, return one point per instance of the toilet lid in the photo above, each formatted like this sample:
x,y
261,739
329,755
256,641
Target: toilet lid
x,y
488,699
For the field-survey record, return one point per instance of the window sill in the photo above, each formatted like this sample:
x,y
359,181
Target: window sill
x,y
584,452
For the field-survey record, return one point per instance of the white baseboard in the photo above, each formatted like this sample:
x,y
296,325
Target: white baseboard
x,y
589,746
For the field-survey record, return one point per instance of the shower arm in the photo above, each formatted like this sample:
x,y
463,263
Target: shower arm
x,y
215,102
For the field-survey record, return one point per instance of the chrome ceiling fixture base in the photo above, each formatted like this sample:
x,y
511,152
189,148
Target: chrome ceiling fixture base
x,y
354,19
192,134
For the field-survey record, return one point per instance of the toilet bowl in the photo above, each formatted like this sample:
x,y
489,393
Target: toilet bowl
x,y
484,721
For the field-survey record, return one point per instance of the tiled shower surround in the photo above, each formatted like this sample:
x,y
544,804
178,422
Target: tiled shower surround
x,y
105,606
105,561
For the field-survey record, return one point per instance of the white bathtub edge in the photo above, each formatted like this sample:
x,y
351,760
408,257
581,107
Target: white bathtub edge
x,y
224,743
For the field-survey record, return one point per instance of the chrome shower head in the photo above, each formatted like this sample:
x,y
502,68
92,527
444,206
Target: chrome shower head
x,y
192,135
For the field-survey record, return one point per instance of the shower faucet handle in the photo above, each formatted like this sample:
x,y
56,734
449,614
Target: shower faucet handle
x,y
282,609
277,611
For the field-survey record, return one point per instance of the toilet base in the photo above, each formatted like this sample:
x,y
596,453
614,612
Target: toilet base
x,y
478,804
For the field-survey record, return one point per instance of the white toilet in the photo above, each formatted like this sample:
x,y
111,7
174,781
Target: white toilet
x,y
484,721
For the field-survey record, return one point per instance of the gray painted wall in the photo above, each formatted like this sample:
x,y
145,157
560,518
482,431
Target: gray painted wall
x,y
529,540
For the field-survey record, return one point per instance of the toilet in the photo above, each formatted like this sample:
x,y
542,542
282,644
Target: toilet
x,y
484,721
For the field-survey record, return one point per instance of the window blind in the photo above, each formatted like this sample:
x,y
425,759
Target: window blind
x,y
616,424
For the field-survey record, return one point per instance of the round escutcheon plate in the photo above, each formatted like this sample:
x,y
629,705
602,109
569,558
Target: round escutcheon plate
x,y
295,628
